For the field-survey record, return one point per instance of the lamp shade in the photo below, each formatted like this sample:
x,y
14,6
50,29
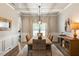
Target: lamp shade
x,y
74,26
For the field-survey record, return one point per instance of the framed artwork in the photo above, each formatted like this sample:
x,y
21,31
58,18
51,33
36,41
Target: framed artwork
x,y
67,25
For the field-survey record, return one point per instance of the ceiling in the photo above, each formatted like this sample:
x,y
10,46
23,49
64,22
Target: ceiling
x,y
45,8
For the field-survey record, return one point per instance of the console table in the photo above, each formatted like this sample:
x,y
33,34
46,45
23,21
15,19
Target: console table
x,y
70,44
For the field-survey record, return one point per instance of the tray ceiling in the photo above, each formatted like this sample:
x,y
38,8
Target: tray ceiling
x,y
45,8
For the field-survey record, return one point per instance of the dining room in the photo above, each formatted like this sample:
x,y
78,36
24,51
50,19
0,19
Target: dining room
x,y
39,31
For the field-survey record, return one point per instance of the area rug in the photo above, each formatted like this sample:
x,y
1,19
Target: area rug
x,y
40,53
56,51
53,51
45,52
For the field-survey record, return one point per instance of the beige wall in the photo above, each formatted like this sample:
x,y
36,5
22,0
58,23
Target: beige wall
x,y
71,12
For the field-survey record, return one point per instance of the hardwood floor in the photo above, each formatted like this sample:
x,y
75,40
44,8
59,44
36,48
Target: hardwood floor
x,y
54,50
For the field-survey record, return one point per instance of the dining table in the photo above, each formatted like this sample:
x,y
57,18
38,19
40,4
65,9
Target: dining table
x,y
30,44
48,41
46,51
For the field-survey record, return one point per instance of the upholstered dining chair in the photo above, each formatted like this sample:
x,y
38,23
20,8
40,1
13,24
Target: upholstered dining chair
x,y
28,37
50,37
39,34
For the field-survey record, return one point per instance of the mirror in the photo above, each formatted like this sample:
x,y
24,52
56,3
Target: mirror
x,y
5,24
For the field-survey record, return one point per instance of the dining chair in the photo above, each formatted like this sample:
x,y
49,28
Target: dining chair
x,y
50,37
28,37
39,34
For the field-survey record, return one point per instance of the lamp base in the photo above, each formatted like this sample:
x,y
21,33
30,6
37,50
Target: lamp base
x,y
75,36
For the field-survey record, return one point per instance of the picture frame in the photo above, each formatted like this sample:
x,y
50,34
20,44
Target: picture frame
x,y
67,25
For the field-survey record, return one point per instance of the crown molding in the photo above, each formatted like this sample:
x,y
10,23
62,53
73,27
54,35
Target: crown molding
x,y
66,7
10,6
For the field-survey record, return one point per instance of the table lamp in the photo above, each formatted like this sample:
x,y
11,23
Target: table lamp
x,y
74,26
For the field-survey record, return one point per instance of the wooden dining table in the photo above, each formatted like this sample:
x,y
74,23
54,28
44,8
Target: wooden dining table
x,y
47,50
48,42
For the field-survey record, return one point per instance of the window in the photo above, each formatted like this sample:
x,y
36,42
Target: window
x,y
36,28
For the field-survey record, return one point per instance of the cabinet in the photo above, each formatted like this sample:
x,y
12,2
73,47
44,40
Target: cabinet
x,y
70,44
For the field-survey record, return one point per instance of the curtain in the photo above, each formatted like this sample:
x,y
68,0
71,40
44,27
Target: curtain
x,y
28,21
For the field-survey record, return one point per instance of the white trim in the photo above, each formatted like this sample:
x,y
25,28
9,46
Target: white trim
x,y
66,7
10,6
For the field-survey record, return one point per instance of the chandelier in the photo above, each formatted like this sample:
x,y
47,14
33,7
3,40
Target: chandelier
x,y
39,20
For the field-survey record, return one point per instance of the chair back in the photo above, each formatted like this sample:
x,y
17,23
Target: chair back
x,y
50,37
28,37
39,34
